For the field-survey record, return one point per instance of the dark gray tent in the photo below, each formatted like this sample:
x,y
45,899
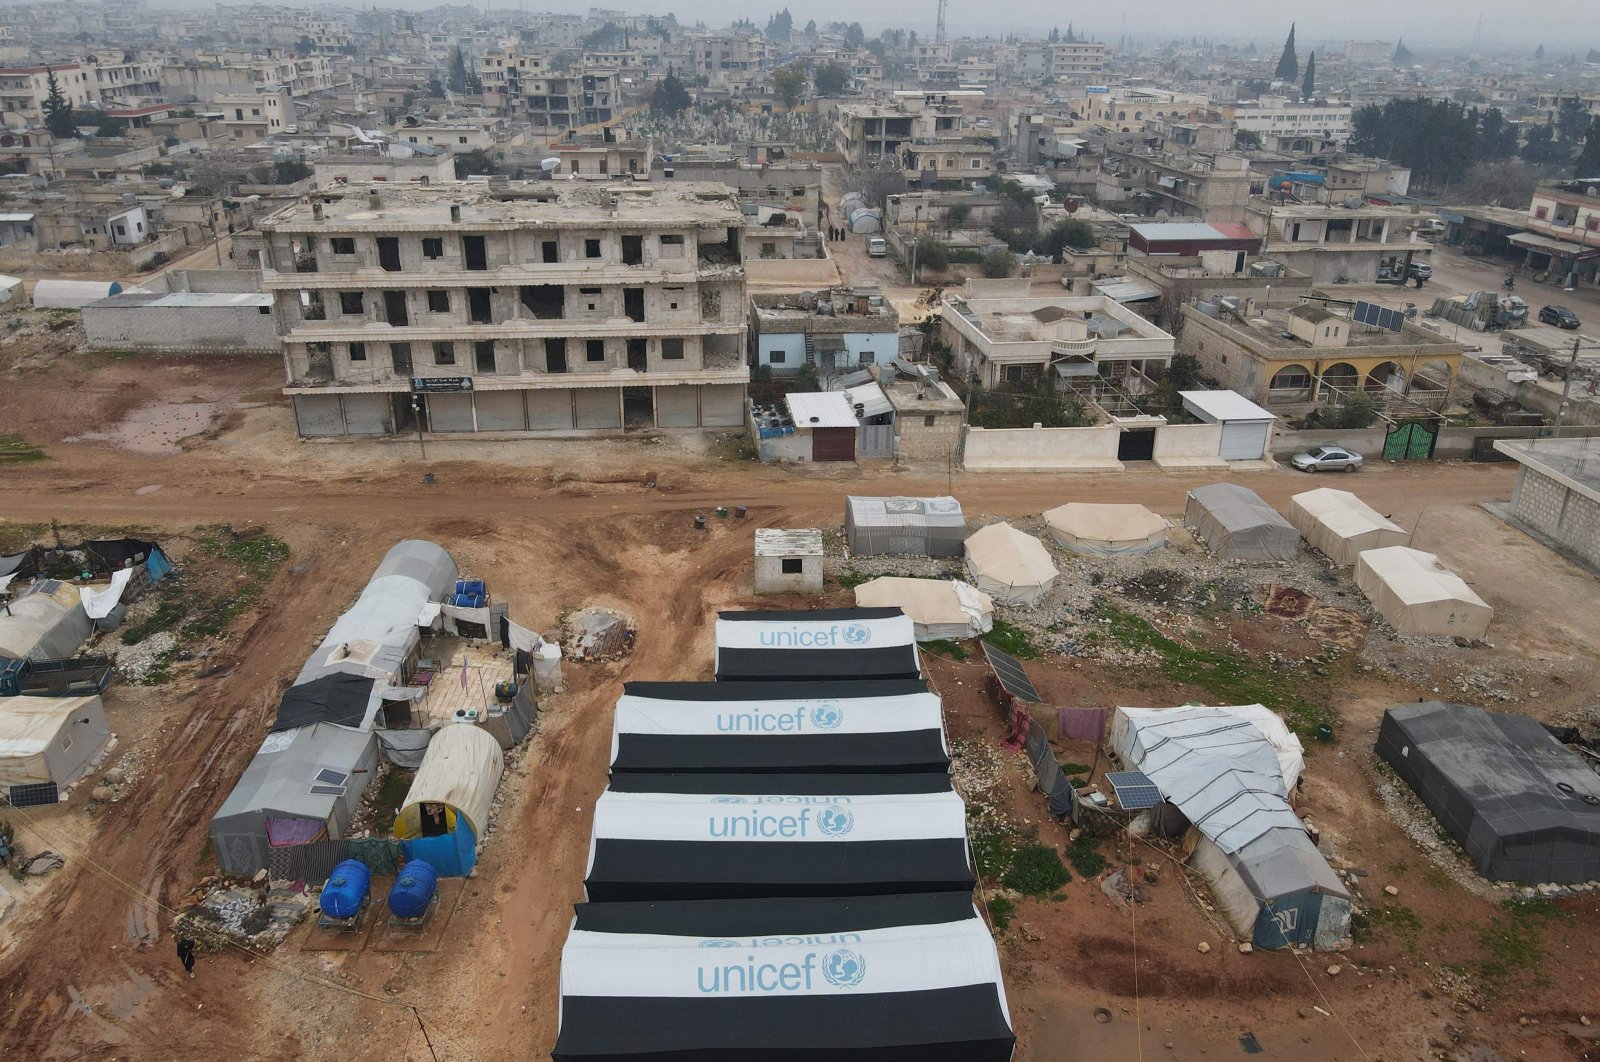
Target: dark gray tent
x,y
1523,806
1236,524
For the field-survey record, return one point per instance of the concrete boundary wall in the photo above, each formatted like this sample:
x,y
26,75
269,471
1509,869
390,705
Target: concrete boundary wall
x,y
1189,446
1042,449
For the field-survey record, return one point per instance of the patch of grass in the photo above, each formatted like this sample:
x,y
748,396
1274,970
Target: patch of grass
x,y
1398,923
257,556
1512,945
1533,907
1075,768
207,852
166,615
15,450
1036,870
160,669
992,847
1001,910
944,647
1085,857
1012,640
1229,677
386,798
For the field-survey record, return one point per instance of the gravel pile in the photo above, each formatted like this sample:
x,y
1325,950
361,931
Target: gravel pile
x,y
136,662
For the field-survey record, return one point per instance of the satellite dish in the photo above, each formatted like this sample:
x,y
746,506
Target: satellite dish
x,y
1162,215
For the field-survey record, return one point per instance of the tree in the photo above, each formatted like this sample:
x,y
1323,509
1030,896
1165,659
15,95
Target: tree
x,y
1538,53
854,36
57,111
1072,232
1572,121
1288,62
670,96
956,216
1506,183
998,264
476,162
1588,164
456,76
288,171
607,38
830,79
1497,138
780,27
1402,54
789,83
931,254
435,86
811,28
1357,410
1308,87
1183,372
1541,148
1247,140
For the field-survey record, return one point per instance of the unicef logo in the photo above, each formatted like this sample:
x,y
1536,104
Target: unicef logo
x,y
719,942
844,968
827,716
856,634
728,800
836,821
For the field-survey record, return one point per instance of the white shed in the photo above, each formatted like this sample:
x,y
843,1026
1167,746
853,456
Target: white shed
x,y
788,560
52,294
1246,427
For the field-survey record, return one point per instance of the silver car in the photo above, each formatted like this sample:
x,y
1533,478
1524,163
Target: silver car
x,y
1327,458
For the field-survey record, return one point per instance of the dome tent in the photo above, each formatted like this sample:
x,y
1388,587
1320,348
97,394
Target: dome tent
x,y
1010,566
460,773
1106,530
939,608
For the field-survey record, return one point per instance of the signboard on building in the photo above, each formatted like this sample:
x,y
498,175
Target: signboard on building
x,y
440,385
1097,90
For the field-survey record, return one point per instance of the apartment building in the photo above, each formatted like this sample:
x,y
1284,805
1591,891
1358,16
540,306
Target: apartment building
x,y
127,79
1563,232
1213,188
1061,60
1332,243
1275,120
542,306
926,133
23,90
250,116
551,101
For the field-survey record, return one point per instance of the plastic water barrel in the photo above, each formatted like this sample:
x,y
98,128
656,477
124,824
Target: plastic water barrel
x,y
346,889
413,889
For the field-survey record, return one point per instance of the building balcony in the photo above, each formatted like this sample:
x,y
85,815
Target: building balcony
x,y
370,382
322,331
337,274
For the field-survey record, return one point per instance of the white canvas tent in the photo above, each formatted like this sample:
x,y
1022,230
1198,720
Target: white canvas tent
x,y
50,739
1341,525
1227,778
1236,524
47,623
1106,530
1418,595
939,608
1010,566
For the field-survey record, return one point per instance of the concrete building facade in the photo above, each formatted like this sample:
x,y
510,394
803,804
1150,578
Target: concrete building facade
x,y
1557,493
510,307
837,331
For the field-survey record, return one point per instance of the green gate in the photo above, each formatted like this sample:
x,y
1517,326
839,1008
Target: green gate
x,y
1410,439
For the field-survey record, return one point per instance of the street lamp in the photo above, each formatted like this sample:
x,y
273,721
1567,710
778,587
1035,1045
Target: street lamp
x,y
416,414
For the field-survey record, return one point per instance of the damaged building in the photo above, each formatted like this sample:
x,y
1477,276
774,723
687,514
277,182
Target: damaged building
x,y
510,307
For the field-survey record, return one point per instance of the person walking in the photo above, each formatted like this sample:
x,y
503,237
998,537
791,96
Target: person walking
x,y
186,955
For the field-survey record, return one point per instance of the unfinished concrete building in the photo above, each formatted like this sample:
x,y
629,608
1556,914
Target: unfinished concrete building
x,y
544,306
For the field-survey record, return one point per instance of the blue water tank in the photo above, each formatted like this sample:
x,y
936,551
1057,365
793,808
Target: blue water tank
x,y
413,889
346,889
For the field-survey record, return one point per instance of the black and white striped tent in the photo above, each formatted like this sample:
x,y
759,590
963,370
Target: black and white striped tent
x,y
759,728
776,843
895,978
842,643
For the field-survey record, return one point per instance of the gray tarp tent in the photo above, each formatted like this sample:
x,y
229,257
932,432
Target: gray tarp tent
x,y
931,527
1523,806
50,739
47,623
1226,777
299,780
1236,524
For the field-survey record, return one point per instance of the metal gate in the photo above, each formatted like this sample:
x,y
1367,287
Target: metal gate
x,y
833,444
1410,439
877,440
1136,444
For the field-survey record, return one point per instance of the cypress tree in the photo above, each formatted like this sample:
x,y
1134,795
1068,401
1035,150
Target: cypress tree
x,y
1288,63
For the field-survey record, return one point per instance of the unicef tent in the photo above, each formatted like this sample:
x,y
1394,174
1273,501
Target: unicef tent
x,y
1236,524
459,773
1417,594
760,727
843,643
797,980
696,846
1228,780
1106,530
1010,566
1341,525
939,608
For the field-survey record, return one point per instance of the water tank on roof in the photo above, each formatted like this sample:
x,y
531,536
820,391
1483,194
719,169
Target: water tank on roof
x,y
346,889
413,889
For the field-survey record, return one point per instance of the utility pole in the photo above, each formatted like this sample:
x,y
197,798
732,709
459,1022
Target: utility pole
x,y
1566,386
938,31
416,413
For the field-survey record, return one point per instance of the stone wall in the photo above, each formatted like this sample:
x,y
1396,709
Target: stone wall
x,y
1553,509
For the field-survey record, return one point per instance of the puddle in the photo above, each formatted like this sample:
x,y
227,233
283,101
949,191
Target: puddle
x,y
157,429
149,488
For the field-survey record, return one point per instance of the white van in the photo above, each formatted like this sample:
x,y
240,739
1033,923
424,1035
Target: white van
x,y
877,247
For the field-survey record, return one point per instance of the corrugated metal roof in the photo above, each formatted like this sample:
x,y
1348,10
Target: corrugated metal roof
x,y
1224,405
1124,290
16,216
1176,230
820,409
871,399
788,542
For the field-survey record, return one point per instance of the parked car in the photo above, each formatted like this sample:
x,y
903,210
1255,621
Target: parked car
x,y
877,247
1327,458
1420,271
1559,316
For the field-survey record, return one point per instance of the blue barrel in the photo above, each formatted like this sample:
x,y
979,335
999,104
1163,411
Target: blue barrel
x,y
342,896
413,889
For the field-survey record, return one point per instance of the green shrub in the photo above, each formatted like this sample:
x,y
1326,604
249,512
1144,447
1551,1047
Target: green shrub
x,y
1084,857
1036,870
1001,910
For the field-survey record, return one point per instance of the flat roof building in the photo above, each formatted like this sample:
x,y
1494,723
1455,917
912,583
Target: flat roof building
x,y
1558,492
509,307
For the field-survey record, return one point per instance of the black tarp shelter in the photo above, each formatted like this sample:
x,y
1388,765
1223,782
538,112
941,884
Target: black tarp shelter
x,y
337,698
821,644
1525,807
883,978
760,728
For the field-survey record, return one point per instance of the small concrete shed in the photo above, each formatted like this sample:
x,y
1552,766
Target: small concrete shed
x,y
788,560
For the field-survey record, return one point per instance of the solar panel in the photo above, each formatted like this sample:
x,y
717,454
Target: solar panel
x,y
33,795
1135,791
329,776
1370,313
1011,675
328,790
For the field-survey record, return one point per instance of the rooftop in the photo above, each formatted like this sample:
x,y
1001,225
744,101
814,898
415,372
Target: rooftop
x,y
788,542
513,204
1269,328
1575,463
